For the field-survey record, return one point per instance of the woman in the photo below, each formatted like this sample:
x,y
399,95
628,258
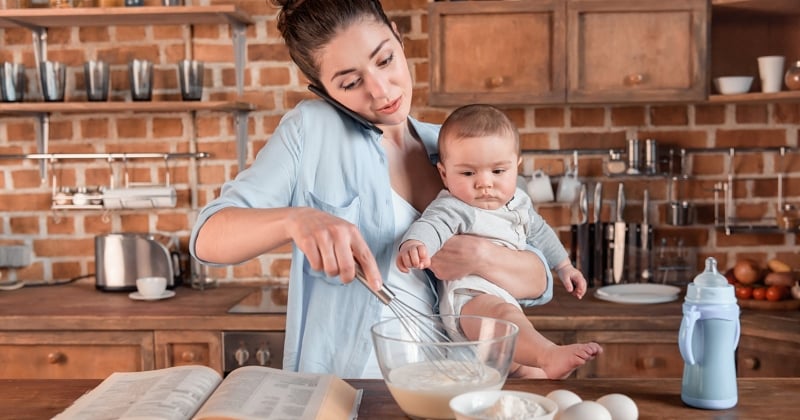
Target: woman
x,y
344,193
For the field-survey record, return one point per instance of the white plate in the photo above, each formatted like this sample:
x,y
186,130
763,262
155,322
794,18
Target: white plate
x,y
638,293
165,295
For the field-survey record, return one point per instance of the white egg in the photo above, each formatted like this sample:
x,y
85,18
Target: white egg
x,y
621,406
584,410
564,398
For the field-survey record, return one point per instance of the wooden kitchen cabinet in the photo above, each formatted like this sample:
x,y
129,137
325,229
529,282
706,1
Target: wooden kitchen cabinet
x,y
178,348
633,354
500,52
764,357
74,354
637,51
568,51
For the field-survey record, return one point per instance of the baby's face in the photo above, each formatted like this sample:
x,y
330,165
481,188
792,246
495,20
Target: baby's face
x,y
481,171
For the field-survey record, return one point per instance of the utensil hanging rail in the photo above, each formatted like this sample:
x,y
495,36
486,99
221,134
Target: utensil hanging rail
x,y
108,156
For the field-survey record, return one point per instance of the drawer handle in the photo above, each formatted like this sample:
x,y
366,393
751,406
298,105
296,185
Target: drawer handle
x,y
634,79
188,356
56,357
752,363
495,82
649,363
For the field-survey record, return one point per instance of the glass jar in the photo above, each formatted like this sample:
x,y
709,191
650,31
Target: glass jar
x,y
792,77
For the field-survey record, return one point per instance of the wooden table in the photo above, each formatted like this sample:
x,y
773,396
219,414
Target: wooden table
x,y
759,398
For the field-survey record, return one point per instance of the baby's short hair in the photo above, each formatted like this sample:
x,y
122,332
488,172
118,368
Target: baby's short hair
x,y
476,120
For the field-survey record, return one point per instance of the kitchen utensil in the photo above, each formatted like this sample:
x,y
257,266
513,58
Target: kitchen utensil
x,y
646,241
53,76
420,389
634,156
598,254
638,293
679,213
620,232
733,85
457,363
121,258
140,197
151,287
190,75
12,82
707,340
581,245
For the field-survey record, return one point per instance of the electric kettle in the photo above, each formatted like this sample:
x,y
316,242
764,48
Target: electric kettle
x,y
707,340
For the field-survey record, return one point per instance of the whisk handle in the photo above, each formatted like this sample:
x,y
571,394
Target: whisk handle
x,y
384,294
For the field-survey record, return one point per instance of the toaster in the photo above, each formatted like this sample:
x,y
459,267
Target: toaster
x,y
121,258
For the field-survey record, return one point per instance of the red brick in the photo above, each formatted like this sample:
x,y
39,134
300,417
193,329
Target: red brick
x,y
548,117
709,114
751,114
669,115
628,116
587,117
744,138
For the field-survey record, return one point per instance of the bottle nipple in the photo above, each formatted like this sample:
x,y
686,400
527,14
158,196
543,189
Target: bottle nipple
x,y
710,277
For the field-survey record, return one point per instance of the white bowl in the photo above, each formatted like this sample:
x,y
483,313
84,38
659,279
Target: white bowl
x,y
732,85
423,372
506,405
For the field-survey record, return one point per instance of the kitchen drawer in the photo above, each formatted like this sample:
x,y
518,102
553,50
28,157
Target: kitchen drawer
x,y
177,348
633,354
73,354
763,357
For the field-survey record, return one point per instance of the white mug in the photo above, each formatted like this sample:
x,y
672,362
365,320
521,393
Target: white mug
x,y
568,187
539,187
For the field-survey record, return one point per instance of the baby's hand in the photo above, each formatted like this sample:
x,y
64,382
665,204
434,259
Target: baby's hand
x,y
573,280
413,254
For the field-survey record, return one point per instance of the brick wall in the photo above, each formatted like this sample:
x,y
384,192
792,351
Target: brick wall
x,y
63,242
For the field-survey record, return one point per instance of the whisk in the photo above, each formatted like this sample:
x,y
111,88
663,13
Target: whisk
x,y
459,363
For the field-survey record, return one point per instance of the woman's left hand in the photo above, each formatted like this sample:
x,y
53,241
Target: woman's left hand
x,y
521,273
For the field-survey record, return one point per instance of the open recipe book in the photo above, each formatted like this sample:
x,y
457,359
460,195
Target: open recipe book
x,y
199,392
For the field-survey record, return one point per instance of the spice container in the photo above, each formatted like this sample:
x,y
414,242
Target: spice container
x,y
792,77
789,218
614,164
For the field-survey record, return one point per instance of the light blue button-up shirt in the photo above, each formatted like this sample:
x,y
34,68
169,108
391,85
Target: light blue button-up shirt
x,y
319,158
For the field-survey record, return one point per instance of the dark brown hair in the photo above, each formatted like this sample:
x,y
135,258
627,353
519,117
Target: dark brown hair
x,y
308,25
476,120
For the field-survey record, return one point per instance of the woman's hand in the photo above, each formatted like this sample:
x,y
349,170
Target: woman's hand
x,y
332,245
521,273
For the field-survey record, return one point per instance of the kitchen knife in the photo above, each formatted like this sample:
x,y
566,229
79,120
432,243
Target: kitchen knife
x,y
620,229
583,232
597,240
646,246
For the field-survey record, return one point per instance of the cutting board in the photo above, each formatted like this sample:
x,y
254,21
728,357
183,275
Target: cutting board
x,y
781,305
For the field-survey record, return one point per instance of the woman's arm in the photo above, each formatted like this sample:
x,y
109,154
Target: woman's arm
x,y
330,244
521,273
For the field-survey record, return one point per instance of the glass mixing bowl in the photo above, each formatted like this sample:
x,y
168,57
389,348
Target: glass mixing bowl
x,y
424,371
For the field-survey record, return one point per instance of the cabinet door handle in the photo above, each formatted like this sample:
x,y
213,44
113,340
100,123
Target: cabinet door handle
x,y
649,362
495,81
751,363
634,79
188,356
56,357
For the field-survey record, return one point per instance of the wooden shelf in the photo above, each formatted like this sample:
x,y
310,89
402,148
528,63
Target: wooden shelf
x,y
761,6
756,97
107,16
28,108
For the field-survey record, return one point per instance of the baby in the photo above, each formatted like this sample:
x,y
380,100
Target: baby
x,y
479,156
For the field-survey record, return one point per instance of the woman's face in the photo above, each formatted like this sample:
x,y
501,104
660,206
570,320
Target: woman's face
x,y
364,68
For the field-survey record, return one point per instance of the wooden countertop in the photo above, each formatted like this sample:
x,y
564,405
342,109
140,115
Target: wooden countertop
x,y
759,398
81,306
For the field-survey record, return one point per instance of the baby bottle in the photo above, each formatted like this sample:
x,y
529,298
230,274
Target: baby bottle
x,y
707,340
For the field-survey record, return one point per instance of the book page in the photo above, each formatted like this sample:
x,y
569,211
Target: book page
x,y
255,392
169,394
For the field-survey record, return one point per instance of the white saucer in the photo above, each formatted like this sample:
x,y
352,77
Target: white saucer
x,y
138,296
638,293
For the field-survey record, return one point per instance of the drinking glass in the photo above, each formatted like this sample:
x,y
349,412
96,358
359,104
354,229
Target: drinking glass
x,y
53,77
190,74
95,74
141,78
12,77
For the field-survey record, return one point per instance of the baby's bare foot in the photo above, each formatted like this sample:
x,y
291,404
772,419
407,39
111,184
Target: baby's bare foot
x,y
560,361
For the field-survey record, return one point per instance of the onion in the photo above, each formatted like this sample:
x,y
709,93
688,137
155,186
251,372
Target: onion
x,y
747,271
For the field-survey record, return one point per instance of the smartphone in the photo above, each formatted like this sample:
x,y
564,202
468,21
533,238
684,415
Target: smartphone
x,y
361,120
